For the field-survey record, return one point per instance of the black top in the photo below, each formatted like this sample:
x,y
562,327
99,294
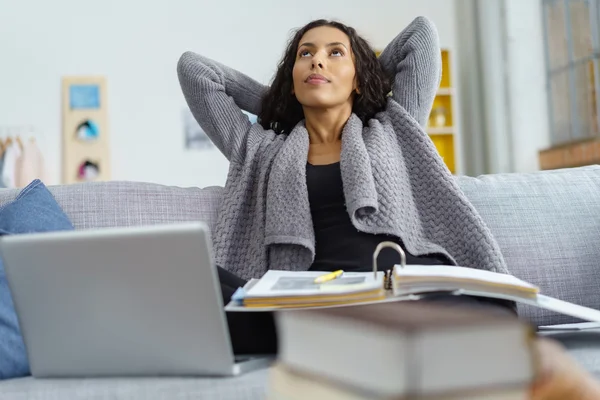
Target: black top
x,y
339,245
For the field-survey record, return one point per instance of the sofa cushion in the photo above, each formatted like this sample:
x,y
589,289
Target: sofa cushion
x,y
121,203
33,210
548,227
250,386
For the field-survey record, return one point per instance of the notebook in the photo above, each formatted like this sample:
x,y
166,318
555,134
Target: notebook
x,y
285,289
404,282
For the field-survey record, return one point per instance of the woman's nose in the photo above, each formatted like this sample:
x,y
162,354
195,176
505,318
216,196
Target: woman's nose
x,y
317,61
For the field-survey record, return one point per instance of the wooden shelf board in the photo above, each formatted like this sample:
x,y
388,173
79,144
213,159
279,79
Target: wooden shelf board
x,y
445,130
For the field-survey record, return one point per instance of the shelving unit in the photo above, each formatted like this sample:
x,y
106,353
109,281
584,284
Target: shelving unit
x,y
441,127
85,136
442,122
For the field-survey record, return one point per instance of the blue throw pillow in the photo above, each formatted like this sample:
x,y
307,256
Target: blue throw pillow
x,y
34,210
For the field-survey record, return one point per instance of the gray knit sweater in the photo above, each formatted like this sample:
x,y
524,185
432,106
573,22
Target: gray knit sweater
x,y
394,180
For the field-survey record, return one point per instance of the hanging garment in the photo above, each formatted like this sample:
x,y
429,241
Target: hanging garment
x,y
2,184
10,167
29,165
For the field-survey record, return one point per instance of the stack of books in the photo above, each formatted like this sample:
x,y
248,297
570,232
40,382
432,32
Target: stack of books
x,y
403,351
359,335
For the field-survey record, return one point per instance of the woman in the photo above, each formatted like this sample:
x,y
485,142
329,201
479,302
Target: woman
x,y
334,166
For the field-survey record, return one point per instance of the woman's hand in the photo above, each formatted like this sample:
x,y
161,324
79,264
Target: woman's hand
x,y
561,377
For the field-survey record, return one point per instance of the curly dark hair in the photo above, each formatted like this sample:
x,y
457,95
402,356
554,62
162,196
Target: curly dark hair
x,y
281,111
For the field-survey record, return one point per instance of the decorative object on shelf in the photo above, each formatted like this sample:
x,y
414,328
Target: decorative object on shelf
x,y
84,96
88,171
88,131
85,129
439,116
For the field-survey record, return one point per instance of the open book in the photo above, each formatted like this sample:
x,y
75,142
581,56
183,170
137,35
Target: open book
x,y
297,290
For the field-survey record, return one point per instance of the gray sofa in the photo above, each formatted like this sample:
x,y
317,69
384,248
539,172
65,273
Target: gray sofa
x,y
547,224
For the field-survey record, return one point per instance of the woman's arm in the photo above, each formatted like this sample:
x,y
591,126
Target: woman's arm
x,y
413,60
216,95
561,376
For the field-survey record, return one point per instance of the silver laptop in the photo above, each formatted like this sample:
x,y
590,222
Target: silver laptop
x,y
136,301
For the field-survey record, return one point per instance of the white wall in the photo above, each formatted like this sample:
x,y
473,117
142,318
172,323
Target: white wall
x,y
136,45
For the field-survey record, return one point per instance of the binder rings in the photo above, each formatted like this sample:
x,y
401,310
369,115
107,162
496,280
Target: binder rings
x,y
405,282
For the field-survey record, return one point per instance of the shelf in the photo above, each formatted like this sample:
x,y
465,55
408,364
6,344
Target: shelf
x,y
446,130
440,127
445,91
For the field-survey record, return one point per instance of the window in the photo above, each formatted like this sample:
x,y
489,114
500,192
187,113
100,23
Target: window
x,y
572,65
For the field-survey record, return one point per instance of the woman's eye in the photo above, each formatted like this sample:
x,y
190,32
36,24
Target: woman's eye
x,y
337,53
304,53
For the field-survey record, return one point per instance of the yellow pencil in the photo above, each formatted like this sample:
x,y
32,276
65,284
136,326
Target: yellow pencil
x,y
329,277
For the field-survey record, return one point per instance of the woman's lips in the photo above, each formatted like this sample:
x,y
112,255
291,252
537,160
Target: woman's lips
x,y
316,79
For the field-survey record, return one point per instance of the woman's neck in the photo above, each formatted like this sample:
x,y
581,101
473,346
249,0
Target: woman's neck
x,y
325,126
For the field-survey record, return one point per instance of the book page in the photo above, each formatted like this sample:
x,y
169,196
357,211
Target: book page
x,y
234,306
566,308
578,326
458,273
277,283
547,302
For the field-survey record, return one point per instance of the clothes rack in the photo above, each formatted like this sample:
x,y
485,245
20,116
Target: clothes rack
x,y
21,161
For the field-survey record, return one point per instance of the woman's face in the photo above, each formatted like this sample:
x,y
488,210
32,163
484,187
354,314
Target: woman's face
x,y
324,74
